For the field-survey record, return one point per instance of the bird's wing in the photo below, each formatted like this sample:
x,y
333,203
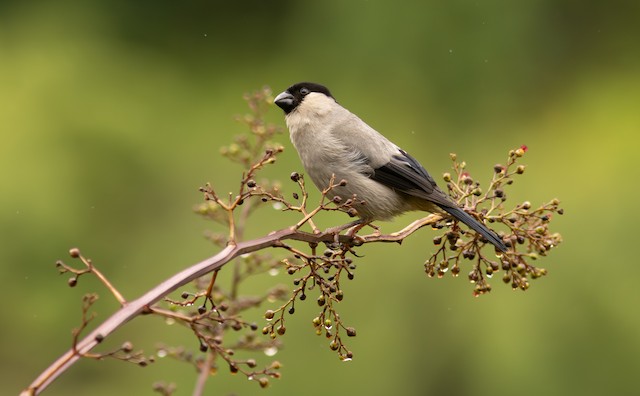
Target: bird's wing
x,y
382,161
404,173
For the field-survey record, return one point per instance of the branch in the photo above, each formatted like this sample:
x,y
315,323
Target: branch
x,y
143,304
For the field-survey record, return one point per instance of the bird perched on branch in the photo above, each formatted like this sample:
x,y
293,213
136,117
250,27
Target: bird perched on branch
x,y
333,142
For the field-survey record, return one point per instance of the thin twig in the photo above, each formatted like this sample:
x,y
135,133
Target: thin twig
x,y
204,373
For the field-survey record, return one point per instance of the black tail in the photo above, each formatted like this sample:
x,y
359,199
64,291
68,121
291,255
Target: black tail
x,y
475,225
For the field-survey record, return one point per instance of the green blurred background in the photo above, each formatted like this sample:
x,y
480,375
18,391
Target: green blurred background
x,y
112,115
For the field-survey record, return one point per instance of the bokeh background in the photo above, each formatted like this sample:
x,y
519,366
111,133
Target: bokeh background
x,y
112,115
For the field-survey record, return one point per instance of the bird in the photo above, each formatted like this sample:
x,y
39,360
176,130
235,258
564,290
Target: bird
x,y
335,144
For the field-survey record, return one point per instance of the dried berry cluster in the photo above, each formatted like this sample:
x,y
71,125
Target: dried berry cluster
x,y
526,229
246,148
321,274
222,309
317,273
213,327
125,351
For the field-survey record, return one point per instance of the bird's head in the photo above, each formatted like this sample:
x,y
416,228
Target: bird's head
x,y
304,94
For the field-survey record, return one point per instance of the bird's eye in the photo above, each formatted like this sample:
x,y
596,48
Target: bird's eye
x,y
304,91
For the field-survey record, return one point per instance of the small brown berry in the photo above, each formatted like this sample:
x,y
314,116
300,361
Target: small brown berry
x,y
127,347
473,276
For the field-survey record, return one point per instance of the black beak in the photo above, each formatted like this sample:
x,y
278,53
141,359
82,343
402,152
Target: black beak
x,y
286,101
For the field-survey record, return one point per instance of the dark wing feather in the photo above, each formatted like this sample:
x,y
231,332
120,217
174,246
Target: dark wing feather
x,y
404,173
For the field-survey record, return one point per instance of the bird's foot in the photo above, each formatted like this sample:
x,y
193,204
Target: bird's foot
x,y
338,229
353,227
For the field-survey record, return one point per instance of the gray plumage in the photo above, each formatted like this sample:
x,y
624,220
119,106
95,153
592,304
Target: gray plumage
x,y
331,140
